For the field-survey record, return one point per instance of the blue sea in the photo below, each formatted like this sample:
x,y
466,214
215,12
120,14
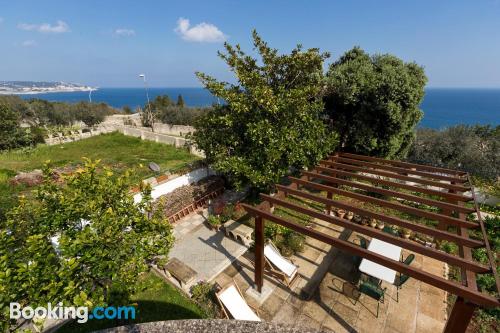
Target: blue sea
x,y
442,107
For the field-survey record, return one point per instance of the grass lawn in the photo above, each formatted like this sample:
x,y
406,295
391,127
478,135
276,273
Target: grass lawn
x,y
115,150
157,301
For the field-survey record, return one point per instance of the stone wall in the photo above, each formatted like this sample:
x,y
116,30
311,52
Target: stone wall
x,y
131,125
134,120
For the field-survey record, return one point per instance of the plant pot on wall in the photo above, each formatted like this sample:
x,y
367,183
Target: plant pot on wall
x,y
373,222
406,233
349,215
341,213
380,225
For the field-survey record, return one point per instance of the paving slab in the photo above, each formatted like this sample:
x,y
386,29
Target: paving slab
x,y
206,251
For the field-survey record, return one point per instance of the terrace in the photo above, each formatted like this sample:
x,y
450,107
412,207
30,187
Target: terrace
x,y
431,202
412,209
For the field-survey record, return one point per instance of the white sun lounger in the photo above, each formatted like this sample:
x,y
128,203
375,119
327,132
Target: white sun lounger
x,y
279,265
233,304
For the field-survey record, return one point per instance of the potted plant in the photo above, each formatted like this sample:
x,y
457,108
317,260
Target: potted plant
x,y
406,233
373,222
357,219
214,222
364,221
341,213
349,215
380,225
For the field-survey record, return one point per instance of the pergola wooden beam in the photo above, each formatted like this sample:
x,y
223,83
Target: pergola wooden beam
x,y
423,181
405,164
439,234
394,194
372,232
388,204
403,171
375,180
341,169
439,282
489,253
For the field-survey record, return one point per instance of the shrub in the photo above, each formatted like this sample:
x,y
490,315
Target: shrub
x,y
203,293
472,149
214,220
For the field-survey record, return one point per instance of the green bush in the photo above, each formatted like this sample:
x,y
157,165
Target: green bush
x,y
203,293
168,112
473,149
39,112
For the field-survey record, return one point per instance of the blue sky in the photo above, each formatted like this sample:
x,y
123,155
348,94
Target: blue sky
x,y
108,43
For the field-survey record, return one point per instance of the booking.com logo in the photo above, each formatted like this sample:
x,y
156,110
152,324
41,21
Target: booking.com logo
x,y
80,313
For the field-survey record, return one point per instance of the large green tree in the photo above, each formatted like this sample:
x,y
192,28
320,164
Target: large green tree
x,y
82,242
373,102
271,117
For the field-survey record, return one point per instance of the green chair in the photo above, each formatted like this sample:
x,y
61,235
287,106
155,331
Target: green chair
x,y
390,231
403,278
373,291
409,259
363,242
399,283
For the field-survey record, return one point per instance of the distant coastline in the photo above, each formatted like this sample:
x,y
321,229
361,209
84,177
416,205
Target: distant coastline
x,y
33,88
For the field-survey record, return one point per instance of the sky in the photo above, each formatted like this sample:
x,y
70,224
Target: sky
x,y
108,43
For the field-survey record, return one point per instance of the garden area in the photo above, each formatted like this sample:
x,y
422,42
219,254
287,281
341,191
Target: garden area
x,y
117,151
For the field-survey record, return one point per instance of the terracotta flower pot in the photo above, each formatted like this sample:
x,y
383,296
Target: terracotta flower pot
x,y
341,213
406,234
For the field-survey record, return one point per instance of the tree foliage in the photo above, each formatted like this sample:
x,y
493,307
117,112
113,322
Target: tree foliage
x,y
475,149
12,135
174,113
180,101
373,102
81,243
39,112
271,119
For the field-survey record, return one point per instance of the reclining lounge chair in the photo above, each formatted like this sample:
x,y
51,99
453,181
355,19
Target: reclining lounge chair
x,y
279,266
234,305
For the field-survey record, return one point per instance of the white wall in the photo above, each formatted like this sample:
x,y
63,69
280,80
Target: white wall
x,y
175,183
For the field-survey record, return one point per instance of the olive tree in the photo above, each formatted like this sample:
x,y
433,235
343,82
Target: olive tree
x,y
271,117
81,241
373,102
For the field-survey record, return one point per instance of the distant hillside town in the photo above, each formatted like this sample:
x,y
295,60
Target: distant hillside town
x,y
32,87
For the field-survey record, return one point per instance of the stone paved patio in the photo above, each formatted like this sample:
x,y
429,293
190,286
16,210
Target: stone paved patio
x,y
206,251
317,300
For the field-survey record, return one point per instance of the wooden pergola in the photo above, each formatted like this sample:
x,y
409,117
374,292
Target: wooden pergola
x,y
439,195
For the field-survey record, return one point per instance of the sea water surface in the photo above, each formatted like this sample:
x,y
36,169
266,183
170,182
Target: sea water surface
x,y
443,107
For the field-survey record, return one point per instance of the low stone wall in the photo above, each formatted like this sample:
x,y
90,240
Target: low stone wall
x,y
134,120
208,326
58,138
166,187
131,125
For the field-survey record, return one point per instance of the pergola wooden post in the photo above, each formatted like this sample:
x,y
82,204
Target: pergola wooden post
x,y
259,253
410,186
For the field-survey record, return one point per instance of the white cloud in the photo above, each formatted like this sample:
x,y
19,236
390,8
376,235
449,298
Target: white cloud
x,y
58,28
203,32
28,43
124,32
